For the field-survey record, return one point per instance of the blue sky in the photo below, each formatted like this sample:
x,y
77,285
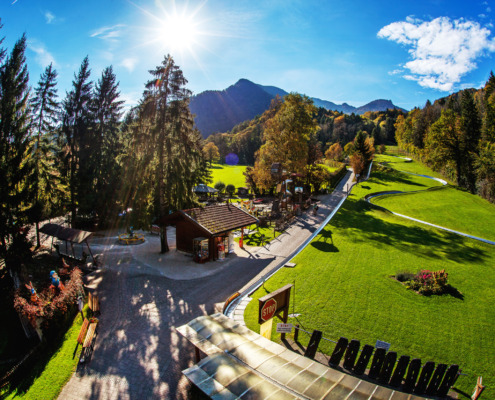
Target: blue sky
x,y
342,51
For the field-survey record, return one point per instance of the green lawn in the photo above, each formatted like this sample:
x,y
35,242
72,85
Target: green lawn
x,y
382,180
329,168
408,166
343,286
228,174
449,207
53,369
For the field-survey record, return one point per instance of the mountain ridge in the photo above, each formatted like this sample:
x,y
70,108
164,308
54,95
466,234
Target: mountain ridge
x,y
220,110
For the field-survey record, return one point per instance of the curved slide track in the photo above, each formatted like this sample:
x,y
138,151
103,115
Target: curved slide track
x,y
396,192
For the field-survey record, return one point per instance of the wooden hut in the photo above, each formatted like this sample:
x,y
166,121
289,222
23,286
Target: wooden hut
x,y
204,232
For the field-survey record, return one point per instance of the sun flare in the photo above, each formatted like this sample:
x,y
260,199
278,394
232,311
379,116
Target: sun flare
x,y
178,32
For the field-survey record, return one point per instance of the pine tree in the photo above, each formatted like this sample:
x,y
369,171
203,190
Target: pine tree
x,y
106,145
179,164
14,142
76,125
44,118
489,116
362,146
470,126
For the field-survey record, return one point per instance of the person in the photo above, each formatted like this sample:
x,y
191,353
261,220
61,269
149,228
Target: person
x,y
315,209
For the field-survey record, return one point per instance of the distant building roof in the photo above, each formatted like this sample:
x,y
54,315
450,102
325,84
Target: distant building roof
x,y
214,219
202,188
62,233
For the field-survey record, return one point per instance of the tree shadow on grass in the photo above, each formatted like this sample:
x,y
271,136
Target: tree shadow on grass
x,y
387,179
362,222
325,242
452,291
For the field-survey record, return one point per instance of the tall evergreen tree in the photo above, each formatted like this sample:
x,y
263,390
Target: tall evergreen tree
x,y
106,146
76,125
470,126
44,113
489,114
362,146
179,164
14,142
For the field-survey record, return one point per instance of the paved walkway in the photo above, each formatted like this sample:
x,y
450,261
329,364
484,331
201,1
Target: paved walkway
x,y
144,295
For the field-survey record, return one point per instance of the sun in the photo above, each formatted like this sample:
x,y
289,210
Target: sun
x,y
178,32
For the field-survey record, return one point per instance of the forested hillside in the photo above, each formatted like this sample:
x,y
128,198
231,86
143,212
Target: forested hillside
x,y
456,136
334,127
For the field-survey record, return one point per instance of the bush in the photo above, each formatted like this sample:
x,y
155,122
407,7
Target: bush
x,y
425,282
404,276
220,186
230,189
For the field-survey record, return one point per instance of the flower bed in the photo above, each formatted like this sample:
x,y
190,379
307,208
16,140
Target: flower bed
x,y
425,282
49,304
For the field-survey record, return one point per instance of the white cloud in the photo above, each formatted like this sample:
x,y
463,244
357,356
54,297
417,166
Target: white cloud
x,y
43,56
129,63
442,51
110,33
49,16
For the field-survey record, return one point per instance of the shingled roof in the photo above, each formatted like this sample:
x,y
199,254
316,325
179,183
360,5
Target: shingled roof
x,y
220,218
215,219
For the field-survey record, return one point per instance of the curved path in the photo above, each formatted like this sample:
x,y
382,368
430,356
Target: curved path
x,y
144,296
398,192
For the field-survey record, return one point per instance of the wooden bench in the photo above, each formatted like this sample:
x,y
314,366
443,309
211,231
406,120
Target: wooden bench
x,y
82,335
89,340
94,303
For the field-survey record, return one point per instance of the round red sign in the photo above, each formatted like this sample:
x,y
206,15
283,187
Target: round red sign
x,y
268,309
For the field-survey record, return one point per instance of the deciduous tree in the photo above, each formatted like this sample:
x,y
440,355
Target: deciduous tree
x,y
286,137
334,152
211,152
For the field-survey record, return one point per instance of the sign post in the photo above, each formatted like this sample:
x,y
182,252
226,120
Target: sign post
x,y
273,304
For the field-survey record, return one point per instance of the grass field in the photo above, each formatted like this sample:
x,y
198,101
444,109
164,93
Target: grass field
x,y
343,285
407,166
449,207
329,168
228,174
53,369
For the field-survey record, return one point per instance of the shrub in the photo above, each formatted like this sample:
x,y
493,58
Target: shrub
x,y
404,276
425,282
220,186
230,189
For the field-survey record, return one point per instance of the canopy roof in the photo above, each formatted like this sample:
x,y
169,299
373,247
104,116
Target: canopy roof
x,y
204,189
62,233
243,364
